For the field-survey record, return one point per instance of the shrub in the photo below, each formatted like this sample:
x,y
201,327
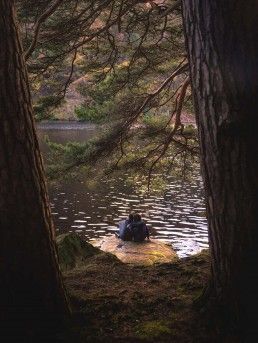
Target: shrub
x,y
96,113
43,105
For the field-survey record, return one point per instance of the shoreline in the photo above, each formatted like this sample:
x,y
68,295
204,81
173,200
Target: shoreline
x,y
122,303
65,125
113,301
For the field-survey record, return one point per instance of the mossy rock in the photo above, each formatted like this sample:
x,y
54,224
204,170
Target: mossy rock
x,y
152,330
73,251
146,253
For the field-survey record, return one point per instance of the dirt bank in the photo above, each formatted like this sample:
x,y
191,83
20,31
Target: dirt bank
x,y
122,303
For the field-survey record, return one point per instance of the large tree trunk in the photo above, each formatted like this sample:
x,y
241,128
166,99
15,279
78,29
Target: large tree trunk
x,y
222,44
31,289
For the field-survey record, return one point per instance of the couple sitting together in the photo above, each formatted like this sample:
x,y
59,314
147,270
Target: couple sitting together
x,y
133,229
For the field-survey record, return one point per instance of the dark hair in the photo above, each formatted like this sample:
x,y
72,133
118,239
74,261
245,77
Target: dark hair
x,y
131,217
137,217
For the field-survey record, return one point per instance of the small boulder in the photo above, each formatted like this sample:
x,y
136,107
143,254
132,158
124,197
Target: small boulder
x,y
73,251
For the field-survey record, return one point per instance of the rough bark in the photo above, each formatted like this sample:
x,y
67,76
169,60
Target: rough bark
x,y
221,38
31,289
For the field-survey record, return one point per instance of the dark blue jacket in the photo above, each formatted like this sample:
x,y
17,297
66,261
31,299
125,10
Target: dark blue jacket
x,y
139,231
125,231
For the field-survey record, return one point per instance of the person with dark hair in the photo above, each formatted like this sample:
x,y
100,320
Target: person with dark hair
x,y
139,229
125,232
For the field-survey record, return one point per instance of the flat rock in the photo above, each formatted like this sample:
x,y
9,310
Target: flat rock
x,y
148,252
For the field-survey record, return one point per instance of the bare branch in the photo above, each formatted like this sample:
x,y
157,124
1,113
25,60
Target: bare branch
x,y
49,11
172,8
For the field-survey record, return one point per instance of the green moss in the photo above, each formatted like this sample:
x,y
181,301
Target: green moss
x,y
117,302
152,329
73,251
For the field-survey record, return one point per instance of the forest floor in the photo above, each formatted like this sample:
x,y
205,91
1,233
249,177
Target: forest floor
x,y
116,302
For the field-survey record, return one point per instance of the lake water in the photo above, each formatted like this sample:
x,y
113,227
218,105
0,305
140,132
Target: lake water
x,y
177,217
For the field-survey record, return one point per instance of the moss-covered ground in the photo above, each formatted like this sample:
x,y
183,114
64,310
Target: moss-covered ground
x,y
115,302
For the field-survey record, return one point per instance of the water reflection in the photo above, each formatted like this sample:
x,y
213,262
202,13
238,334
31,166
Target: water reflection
x,y
178,217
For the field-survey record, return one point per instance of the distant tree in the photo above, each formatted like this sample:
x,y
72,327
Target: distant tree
x,y
135,51
222,45
32,293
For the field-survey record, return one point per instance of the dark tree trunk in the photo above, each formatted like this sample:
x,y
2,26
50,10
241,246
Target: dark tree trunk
x,y
222,42
31,289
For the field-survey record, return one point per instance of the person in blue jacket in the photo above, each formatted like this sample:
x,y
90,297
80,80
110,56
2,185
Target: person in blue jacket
x,y
125,232
139,229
